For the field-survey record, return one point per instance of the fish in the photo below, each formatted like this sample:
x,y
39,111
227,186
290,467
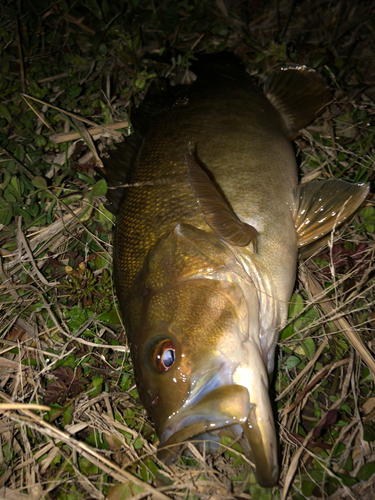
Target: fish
x,y
210,220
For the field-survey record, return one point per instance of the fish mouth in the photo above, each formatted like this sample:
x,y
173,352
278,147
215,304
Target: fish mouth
x,y
227,408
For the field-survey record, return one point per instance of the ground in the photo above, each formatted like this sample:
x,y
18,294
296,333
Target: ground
x,y
71,424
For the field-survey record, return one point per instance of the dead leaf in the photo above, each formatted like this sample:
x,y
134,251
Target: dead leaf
x,y
369,405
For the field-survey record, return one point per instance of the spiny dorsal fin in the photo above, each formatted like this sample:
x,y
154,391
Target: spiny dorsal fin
x,y
298,93
121,161
159,95
320,206
216,211
117,167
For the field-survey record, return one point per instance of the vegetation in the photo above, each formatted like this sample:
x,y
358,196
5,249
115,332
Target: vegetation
x,y
71,423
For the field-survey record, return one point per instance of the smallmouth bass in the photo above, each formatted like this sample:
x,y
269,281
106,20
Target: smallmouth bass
x,y
206,247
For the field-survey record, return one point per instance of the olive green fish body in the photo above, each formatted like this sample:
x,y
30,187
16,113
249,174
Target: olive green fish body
x,y
206,249
239,137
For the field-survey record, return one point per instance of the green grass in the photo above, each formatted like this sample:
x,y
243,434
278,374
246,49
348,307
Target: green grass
x,y
69,66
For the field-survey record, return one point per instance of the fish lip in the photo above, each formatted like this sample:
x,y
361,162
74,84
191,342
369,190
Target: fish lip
x,y
170,450
266,465
228,406
232,406
263,452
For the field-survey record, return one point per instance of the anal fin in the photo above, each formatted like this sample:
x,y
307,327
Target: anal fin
x,y
216,212
320,206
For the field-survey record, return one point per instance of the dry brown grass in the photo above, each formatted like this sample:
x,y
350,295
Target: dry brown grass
x,y
65,453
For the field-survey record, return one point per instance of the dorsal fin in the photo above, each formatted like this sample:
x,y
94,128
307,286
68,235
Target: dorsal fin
x,y
320,206
117,167
216,212
121,160
159,95
298,93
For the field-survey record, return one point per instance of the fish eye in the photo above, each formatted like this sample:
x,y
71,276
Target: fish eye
x,y
164,355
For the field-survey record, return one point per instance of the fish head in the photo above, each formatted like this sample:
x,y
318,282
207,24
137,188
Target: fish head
x,y
200,369
190,338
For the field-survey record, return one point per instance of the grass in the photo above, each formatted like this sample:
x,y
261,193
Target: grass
x,y
71,66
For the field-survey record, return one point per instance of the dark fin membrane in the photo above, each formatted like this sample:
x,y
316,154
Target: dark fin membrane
x,y
116,169
216,211
122,160
202,63
160,95
299,95
307,251
216,64
319,207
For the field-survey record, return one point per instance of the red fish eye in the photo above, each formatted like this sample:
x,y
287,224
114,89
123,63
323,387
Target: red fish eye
x,y
164,355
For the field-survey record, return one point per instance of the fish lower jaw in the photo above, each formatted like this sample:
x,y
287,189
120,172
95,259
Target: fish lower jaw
x,y
226,409
204,434
221,407
207,436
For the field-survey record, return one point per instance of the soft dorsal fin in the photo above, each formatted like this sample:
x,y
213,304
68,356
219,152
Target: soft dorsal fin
x,y
216,212
320,206
298,93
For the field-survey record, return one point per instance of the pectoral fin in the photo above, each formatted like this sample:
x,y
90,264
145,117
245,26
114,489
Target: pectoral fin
x,y
320,206
216,212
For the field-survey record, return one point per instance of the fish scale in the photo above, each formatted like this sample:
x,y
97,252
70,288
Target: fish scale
x,y
205,250
221,141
